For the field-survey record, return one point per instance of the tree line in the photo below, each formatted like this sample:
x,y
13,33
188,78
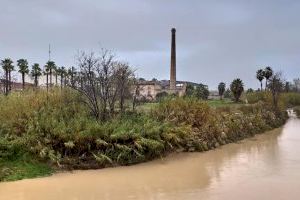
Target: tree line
x,y
274,83
50,70
104,83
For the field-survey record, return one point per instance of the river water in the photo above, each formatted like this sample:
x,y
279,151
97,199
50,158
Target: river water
x,y
264,167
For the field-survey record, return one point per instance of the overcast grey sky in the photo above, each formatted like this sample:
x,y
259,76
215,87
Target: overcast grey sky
x,y
217,40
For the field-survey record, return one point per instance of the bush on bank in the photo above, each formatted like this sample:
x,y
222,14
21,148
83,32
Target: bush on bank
x,y
297,110
290,99
57,129
211,128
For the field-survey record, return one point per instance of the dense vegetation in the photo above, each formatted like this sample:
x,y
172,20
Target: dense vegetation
x,y
88,119
41,132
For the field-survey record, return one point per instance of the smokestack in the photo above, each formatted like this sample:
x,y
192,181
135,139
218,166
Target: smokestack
x,y
173,60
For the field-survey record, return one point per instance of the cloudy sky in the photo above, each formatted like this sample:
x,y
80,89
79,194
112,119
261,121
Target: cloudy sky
x,y
217,40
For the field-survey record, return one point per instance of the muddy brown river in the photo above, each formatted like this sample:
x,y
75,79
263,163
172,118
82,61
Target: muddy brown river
x,y
264,167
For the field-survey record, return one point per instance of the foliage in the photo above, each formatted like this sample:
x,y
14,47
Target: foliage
x,y
36,72
160,96
297,110
223,103
260,75
255,97
250,90
23,69
268,73
200,91
43,130
23,166
7,65
291,99
211,128
237,88
189,90
221,89
182,110
50,67
103,81
276,87
227,94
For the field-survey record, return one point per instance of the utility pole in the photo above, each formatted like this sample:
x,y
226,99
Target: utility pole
x,y
47,75
49,52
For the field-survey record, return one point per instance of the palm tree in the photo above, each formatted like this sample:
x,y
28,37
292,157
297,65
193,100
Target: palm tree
x,y
237,88
260,75
71,73
221,88
23,69
46,72
56,73
62,73
268,72
59,73
10,69
50,67
36,72
7,67
276,85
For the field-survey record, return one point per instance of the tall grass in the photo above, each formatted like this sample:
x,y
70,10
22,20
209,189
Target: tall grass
x,y
291,99
56,129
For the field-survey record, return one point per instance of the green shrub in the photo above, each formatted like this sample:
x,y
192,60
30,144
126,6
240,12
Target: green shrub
x,y
297,110
182,111
255,97
291,99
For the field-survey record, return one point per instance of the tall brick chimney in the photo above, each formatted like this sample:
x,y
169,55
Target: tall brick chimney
x,y
173,61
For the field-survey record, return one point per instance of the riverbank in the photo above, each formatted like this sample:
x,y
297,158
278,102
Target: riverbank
x,y
260,163
49,132
297,111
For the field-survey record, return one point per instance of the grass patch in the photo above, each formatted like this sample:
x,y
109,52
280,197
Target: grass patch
x,y
22,168
146,107
223,103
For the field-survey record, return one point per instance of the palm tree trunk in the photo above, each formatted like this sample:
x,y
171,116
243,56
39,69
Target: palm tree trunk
x,y
35,81
72,79
23,80
61,82
55,78
261,86
266,84
47,81
6,82
9,77
50,77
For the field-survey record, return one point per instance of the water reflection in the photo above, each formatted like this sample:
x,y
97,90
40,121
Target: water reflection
x,y
262,167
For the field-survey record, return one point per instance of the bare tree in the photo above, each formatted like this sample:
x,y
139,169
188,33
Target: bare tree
x,y
2,83
71,73
103,82
124,77
87,83
135,92
105,71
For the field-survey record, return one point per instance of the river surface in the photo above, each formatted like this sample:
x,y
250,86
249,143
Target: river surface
x,y
264,167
